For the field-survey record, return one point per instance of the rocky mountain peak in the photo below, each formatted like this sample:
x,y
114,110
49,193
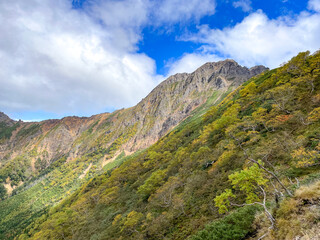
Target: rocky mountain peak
x,y
176,97
258,69
5,119
230,70
213,75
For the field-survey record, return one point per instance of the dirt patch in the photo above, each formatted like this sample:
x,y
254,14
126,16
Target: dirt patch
x,y
85,171
109,160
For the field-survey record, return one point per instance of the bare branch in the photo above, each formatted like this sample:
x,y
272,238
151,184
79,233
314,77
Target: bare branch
x,y
246,204
262,167
298,183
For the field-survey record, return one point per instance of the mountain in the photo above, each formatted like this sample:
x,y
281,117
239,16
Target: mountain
x,y
125,130
247,168
41,163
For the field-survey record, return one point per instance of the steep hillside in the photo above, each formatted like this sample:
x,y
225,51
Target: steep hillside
x,y
41,163
254,149
169,103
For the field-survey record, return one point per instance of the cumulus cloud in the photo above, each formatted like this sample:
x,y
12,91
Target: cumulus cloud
x,y
314,5
58,59
245,5
260,40
168,11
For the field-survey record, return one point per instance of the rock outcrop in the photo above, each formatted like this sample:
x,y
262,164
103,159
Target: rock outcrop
x,y
6,120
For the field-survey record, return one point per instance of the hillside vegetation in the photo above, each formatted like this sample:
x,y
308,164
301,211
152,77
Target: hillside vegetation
x,y
27,150
254,149
43,163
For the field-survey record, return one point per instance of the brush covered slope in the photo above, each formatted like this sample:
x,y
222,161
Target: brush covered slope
x,y
42,163
265,135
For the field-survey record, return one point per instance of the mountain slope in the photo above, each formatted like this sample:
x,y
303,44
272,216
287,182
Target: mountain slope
x,y
163,108
42,163
167,191
124,130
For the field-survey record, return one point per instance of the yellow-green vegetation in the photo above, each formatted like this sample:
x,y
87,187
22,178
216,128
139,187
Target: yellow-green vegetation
x,y
248,181
247,144
305,157
18,169
123,138
45,162
33,198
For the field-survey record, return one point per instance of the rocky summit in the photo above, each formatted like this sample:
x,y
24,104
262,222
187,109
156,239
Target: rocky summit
x,y
5,119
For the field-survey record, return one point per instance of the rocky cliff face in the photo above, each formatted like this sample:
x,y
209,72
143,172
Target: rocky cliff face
x,y
175,98
4,119
127,130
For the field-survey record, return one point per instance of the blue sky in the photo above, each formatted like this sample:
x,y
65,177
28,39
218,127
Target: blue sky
x,y
163,47
83,57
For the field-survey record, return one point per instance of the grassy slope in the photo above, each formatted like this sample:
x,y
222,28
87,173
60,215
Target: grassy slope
x,y
35,197
167,191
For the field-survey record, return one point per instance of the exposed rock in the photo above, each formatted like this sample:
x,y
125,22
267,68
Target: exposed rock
x,y
175,98
257,70
5,119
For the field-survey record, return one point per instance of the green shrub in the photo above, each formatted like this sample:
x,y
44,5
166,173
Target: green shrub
x,y
29,131
6,131
232,227
3,192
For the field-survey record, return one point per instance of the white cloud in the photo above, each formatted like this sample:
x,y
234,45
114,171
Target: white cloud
x,y
121,19
67,61
260,40
245,5
168,11
60,60
314,5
